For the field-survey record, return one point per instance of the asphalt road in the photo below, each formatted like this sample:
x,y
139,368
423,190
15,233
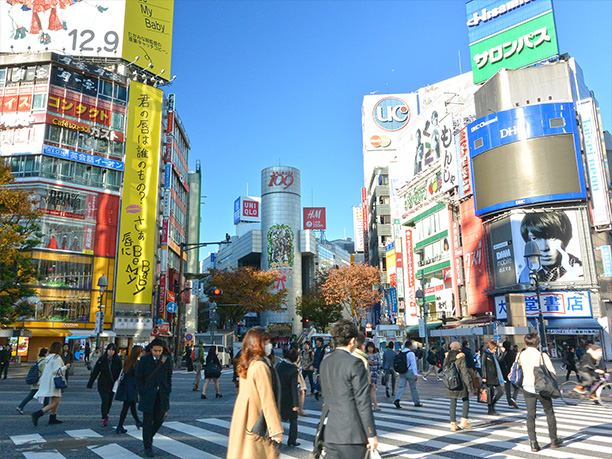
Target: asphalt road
x,y
198,428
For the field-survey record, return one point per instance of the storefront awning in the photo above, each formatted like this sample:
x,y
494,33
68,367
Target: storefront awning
x,y
49,332
415,328
573,327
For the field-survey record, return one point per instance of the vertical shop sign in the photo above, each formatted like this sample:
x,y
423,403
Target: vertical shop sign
x,y
410,283
137,233
366,236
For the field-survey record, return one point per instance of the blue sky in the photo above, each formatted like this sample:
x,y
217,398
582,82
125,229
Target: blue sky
x,y
263,82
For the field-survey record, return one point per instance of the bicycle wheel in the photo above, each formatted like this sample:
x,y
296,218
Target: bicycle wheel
x,y
604,394
568,394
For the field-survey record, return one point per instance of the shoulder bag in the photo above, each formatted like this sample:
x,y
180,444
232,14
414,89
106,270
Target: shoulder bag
x,y
59,381
118,382
546,383
516,372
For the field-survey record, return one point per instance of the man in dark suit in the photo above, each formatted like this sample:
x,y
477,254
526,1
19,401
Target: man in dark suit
x,y
350,428
154,381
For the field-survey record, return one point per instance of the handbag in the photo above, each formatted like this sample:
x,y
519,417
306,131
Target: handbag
x,y
483,395
319,440
372,454
121,391
213,370
59,381
119,379
546,383
516,372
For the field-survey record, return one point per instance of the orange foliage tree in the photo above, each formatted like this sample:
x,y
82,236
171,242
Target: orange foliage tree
x,y
351,287
246,289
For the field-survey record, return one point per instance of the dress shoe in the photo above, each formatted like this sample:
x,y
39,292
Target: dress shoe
x,y
121,430
534,446
293,444
138,424
513,404
20,411
202,396
149,453
397,404
218,395
418,405
317,396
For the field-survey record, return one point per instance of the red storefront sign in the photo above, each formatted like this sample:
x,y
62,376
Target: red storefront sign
x,y
466,179
475,260
88,239
314,218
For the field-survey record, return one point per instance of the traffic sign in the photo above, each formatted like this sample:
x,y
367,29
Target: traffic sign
x,y
188,337
160,321
171,307
155,332
422,329
496,337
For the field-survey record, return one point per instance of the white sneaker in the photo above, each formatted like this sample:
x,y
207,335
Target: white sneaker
x,y
424,378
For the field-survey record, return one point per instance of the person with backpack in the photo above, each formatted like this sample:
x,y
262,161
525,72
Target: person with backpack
x,y
458,382
507,358
212,372
197,357
405,365
432,360
33,378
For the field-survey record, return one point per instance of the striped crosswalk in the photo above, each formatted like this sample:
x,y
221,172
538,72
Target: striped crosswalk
x,y
411,432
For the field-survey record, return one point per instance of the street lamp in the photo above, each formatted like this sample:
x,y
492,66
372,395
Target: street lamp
x,y
532,255
420,294
102,284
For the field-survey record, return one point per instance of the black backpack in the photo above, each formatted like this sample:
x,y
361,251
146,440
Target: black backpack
x,y
451,377
400,363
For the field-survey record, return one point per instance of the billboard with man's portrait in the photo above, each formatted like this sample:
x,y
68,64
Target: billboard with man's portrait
x,y
556,232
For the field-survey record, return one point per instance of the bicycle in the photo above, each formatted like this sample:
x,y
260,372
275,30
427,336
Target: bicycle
x,y
600,393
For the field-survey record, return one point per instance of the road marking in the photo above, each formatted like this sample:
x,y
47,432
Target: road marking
x,y
83,433
173,447
43,455
25,439
113,451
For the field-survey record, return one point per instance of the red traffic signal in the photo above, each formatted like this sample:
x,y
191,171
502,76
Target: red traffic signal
x,y
214,291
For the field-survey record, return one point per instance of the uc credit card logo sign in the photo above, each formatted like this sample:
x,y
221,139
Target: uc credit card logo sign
x,y
391,114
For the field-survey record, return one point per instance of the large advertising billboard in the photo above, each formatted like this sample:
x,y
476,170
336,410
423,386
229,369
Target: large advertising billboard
x,y
95,29
555,305
503,144
138,231
384,118
247,209
509,34
557,233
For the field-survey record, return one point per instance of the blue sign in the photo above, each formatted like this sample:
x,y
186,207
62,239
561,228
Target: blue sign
x,y
160,321
489,17
393,295
82,158
237,211
606,259
167,175
519,125
171,307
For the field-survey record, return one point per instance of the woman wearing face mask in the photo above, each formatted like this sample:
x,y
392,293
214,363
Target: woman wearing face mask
x,y
256,429
108,368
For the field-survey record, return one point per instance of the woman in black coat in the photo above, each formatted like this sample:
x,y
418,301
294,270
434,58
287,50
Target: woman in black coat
x,y
287,371
492,375
212,371
457,358
107,370
127,391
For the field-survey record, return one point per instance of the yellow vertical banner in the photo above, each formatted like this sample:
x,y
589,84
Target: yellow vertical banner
x,y
137,231
148,34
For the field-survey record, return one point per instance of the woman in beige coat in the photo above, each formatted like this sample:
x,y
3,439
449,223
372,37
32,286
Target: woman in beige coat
x,y
256,431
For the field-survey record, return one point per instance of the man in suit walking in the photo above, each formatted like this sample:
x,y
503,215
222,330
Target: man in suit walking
x,y
350,428
154,382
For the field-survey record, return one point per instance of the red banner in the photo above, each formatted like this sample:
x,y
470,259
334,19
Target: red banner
x,y
314,218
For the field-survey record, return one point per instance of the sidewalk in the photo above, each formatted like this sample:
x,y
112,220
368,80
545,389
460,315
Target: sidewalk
x,y
17,371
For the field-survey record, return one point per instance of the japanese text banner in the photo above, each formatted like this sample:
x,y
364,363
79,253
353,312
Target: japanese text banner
x,y
136,245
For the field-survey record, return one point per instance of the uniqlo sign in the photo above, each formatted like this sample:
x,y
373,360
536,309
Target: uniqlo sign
x,y
314,218
246,209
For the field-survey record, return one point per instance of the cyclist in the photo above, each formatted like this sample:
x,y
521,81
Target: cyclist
x,y
591,368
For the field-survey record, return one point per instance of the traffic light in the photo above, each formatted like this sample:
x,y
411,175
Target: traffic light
x,y
214,292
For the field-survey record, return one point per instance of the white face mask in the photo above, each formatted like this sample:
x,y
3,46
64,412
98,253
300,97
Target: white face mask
x,y
268,348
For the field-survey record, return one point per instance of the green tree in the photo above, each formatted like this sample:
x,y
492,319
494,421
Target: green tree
x,y
246,289
314,308
19,234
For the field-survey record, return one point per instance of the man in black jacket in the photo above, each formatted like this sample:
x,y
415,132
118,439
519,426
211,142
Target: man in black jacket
x,y
154,381
350,425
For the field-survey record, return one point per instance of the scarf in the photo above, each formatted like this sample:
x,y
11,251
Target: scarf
x,y
500,375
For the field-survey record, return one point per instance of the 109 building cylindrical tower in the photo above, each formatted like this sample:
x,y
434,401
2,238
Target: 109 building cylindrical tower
x,y
280,225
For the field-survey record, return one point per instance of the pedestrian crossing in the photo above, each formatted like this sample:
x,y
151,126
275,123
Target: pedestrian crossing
x,y
410,432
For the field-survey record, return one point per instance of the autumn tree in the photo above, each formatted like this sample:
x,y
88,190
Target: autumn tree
x,y
312,305
19,233
351,288
246,289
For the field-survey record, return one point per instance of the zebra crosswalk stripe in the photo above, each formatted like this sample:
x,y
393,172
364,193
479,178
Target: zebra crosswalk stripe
x,y
177,448
113,451
43,455
19,440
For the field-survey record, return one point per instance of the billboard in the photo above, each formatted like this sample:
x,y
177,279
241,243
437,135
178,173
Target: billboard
x,y
358,228
489,17
594,155
474,260
384,117
525,44
314,218
95,29
138,231
557,233
463,159
503,143
555,305
247,209
410,279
